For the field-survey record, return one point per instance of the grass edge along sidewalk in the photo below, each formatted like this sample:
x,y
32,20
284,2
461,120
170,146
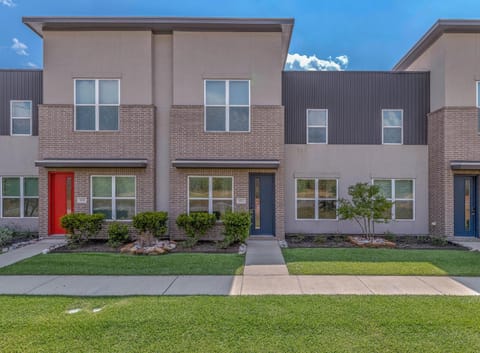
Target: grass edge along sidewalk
x,y
355,261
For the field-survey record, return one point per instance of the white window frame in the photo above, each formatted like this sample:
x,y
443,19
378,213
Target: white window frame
x,y
20,117
317,199
97,104
113,198
313,126
392,127
210,192
227,105
394,198
22,196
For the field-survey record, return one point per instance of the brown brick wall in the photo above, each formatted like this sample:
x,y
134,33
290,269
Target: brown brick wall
x,y
188,140
135,139
452,135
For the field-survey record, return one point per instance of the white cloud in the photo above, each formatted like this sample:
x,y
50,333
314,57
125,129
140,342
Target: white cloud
x,y
19,47
32,65
312,63
8,3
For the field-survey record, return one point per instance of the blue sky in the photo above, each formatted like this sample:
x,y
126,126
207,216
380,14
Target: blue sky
x,y
341,34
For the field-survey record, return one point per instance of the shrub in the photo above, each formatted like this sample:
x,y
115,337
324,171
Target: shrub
x,y
154,223
80,226
117,234
237,227
6,236
367,207
196,225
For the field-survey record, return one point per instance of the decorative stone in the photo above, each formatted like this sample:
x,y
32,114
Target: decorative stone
x,y
283,243
242,250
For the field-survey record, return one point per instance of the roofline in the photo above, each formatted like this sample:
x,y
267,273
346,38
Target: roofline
x,y
436,31
157,24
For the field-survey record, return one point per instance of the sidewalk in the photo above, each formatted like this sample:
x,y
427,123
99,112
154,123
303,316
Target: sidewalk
x,y
27,251
265,274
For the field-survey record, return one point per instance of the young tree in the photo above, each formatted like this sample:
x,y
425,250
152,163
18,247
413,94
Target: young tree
x,y
367,207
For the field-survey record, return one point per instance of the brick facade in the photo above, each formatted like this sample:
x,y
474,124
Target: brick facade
x,y
135,139
188,140
452,135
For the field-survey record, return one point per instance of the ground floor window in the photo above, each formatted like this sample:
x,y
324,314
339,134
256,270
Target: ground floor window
x,y
316,198
114,196
210,194
402,193
19,197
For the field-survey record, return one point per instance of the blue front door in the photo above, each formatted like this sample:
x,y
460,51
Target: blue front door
x,y
465,205
262,204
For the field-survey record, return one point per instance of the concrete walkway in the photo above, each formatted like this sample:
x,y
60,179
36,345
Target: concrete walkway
x,y
237,285
27,251
470,243
265,274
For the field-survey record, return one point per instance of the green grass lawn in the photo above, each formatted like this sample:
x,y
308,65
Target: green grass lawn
x,y
241,324
323,261
120,264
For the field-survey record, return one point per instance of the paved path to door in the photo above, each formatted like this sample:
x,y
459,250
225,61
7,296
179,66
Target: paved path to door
x,y
265,273
30,250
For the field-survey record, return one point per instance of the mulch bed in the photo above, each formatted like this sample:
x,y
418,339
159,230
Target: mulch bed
x,y
342,241
101,245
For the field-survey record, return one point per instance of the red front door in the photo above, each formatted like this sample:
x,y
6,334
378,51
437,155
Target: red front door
x,y
60,188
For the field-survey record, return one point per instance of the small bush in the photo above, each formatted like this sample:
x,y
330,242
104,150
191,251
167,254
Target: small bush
x,y
80,226
117,234
154,223
237,227
6,236
196,225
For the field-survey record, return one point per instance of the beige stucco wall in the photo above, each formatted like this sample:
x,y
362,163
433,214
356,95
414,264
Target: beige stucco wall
x,y
433,60
454,65
126,55
351,164
162,98
201,55
18,155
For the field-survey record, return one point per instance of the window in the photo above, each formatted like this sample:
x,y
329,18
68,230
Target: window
x,y
21,118
19,197
316,198
392,124
114,196
317,125
97,104
227,105
210,194
402,193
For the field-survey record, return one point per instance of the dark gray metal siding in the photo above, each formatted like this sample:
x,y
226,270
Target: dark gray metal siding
x,y
355,101
19,85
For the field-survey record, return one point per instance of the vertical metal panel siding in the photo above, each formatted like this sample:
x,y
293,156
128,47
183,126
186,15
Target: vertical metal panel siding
x,y
355,101
19,85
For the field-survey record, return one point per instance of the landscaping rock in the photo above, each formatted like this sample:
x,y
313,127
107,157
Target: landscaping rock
x,y
371,243
242,250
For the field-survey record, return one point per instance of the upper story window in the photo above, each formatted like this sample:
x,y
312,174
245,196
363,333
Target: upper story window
x,y
21,118
317,125
392,126
227,105
96,105
402,193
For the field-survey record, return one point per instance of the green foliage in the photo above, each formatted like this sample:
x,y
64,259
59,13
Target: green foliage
x,y
196,225
117,234
154,223
6,236
367,207
237,227
80,226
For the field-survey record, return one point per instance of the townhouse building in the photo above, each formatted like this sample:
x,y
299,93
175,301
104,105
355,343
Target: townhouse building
x,y
196,114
